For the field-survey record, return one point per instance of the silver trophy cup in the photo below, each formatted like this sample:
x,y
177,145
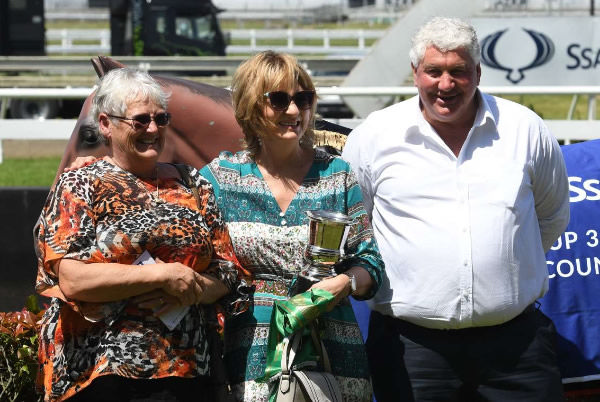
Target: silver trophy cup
x,y
326,237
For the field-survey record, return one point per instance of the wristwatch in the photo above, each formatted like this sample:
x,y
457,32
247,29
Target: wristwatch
x,y
352,282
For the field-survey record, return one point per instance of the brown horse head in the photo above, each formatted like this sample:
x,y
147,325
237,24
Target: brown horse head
x,y
202,122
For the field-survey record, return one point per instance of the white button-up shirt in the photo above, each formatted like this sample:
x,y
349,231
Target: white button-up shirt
x,y
463,238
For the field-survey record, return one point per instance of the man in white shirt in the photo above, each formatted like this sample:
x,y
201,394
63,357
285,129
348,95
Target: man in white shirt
x,y
466,193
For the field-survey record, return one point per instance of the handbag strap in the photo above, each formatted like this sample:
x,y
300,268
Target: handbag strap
x,y
292,344
318,342
290,348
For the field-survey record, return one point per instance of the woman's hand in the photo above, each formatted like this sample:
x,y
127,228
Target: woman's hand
x,y
338,286
182,282
157,300
80,162
160,301
213,288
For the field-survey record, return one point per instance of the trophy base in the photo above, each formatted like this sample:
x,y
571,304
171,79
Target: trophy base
x,y
310,276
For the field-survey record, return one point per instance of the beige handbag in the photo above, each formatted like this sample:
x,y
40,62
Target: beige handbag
x,y
306,385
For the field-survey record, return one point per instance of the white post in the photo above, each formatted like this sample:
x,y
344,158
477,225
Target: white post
x,y
253,39
572,107
65,39
592,107
290,39
326,42
361,39
105,39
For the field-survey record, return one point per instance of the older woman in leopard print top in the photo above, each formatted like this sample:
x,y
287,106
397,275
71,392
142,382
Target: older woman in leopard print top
x,y
102,338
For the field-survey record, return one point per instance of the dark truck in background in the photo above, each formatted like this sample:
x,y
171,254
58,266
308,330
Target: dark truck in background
x,y
22,31
138,28
165,28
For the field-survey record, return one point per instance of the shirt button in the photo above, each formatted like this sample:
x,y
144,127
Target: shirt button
x,y
466,263
281,214
283,222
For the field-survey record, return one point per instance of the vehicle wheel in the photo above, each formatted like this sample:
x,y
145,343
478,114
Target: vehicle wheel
x,y
33,109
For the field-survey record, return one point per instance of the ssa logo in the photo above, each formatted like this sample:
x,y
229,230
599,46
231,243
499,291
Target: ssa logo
x,y
544,52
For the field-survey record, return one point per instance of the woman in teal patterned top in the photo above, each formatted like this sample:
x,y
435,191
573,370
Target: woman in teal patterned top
x,y
264,192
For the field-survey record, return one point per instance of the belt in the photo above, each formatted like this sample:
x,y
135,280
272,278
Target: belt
x,y
271,274
396,321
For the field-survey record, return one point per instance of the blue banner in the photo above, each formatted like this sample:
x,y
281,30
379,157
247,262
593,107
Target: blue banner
x,y
573,300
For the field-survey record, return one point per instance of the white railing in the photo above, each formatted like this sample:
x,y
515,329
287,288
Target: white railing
x,y
291,37
71,41
25,129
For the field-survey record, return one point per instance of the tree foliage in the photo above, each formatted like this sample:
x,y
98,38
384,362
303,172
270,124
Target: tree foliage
x,y
18,353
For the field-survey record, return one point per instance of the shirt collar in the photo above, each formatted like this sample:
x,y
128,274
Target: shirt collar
x,y
484,112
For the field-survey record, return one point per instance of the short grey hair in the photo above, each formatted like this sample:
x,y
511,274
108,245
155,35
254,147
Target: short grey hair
x,y
121,86
446,34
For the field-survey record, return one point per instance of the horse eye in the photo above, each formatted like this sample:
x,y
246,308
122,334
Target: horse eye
x,y
89,137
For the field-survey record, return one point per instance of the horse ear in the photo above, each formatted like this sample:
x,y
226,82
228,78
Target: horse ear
x,y
103,64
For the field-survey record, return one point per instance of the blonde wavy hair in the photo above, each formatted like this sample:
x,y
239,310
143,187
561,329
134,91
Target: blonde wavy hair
x,y
264,72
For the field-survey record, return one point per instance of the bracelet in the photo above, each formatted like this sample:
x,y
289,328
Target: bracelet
x,y
352,280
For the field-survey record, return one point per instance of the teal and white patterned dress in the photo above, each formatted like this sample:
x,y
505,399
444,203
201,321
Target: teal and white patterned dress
x,y
269,243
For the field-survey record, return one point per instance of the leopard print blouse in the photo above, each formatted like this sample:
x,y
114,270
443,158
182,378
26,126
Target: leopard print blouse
x,y
101,213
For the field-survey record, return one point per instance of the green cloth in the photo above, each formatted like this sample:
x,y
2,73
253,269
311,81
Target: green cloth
x,y
288,317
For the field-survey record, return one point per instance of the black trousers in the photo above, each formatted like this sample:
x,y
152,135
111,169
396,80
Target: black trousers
x,y
113,388
514,361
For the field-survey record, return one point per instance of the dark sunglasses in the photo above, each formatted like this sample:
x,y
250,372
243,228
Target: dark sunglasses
x,y
281,100
143,120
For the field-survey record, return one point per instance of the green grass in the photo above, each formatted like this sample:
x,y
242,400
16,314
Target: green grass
x,y
28,172
554,107
67,24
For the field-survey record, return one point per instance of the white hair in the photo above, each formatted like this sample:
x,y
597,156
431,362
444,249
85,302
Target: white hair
x,y
121,86
446,34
